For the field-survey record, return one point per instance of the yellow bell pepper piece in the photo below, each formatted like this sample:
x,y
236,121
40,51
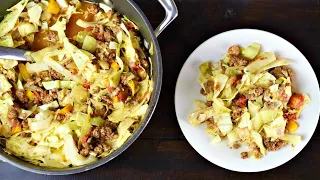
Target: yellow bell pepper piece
x,y
24,72
68,108
115,66
53,7
115,99
16,129
30,95
292,126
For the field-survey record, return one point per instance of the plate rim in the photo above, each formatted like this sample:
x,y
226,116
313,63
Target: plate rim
x,y
261,31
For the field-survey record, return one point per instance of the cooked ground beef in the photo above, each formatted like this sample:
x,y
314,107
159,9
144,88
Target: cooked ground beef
x,y
208,86
25,134
209,103
203,92
85,152
47,98
234,50
270,105
108,35
55,75
13,113
103,133
21,95
254,93
241,101
60,117
282,71
25,125
236,112
244,155
274,145
45,75
236,146
282,94
238,61
52,36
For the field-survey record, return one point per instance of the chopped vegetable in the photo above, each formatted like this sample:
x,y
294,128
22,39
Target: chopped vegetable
x,y
53,7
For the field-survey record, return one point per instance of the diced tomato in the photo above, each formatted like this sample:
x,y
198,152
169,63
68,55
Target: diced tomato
x,y
237,79
111,89
241,101
84,139
36,94
218,86
99,36
88,28
296,101
290,117
122,96
130,26
74,72
87,85
137,68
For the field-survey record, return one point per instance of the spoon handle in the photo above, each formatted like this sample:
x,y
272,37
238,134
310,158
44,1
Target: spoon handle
x,y
12,54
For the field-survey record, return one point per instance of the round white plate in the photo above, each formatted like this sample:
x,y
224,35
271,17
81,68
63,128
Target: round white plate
x,y
188,90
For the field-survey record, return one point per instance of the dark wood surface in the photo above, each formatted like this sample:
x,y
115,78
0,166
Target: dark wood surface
x,y
162,152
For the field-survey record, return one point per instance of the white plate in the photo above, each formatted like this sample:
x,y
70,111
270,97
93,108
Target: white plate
x,y
188,90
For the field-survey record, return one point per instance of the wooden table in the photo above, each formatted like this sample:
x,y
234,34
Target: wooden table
x,y
162,152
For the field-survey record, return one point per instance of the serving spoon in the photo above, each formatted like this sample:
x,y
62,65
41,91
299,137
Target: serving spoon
x,y
13,54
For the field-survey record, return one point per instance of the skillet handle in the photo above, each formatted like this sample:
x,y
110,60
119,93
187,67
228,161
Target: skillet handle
x,y
171,13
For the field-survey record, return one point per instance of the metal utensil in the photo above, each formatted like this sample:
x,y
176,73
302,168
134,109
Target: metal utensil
x,y
12,54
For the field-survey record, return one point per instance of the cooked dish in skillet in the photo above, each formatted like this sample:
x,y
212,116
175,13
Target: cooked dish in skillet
x,y
85,89
249,100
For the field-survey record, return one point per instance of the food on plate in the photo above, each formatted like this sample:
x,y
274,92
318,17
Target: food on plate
x,y
85,89
249,101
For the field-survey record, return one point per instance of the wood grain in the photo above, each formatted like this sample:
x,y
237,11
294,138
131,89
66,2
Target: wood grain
x,y
161,152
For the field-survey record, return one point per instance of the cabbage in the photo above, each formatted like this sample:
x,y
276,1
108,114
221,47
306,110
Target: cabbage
x,y
60,27
89,44
58,84
9,21
128,112
105,7
257,138
34,14
199,105
4,84
62,3
71,152
57,67
8,64
41,121
291,138
251,51
245,121
81,36
266,80
234,71
253,108
53,104
230,91
113,45
6,41
19,85
5,105
220,81
262,60
219,107
224,122
276,128
233,137
244,134
200,116
96,121
276,63
79,57
36,67
39,55
78,94
123,132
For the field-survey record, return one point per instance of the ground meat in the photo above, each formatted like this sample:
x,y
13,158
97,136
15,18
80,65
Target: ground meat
x,y
93,9
21,95
234,50
44,75
244,155
60,117
238,61
289,116
47,98
52,36
282,94
282,71
274,145
203,92
241,101
13,113
25,134
236,146
55,75
209,103
254,93
99,112
236,112
25,125
29,82
208,86
108,35
257,153
85,152
270,105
